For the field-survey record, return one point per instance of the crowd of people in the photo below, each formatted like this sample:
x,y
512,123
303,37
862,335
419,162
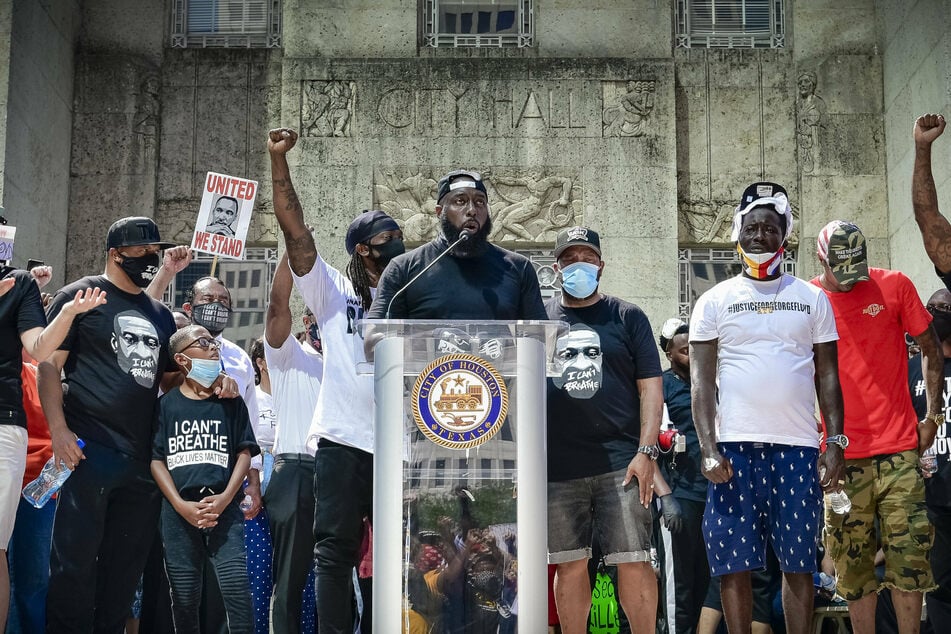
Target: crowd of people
x,y
218,490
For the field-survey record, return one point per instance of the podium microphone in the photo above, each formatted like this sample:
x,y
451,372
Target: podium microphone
x,y
463,236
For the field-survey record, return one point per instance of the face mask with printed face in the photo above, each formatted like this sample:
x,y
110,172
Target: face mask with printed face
x,y
204,371
213,316
141,270
580,279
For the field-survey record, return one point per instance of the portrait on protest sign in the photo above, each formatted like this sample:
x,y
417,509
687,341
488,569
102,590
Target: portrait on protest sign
x,y
227,203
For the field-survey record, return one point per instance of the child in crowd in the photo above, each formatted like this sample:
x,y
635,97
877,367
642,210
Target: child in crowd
x,y
201,453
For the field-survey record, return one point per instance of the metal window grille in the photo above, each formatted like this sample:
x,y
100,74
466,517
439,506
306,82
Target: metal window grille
x,y
478,23
700,269
226,23
730,24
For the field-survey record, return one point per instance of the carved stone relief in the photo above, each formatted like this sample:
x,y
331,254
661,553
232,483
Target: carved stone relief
x,y
527,206
632,103
146,121
811,119
327,108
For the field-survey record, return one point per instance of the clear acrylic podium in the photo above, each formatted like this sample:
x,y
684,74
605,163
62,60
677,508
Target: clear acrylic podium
x,y
460,499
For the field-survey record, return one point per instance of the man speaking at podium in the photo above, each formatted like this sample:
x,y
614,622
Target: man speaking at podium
x,y
467,277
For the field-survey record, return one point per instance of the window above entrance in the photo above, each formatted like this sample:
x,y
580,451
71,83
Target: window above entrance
x,y
478,23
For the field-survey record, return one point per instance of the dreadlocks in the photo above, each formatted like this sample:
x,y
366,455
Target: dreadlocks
x,y
357,272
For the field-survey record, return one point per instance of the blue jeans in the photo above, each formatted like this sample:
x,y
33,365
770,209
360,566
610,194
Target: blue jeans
x,y
343,489
189,550
29,559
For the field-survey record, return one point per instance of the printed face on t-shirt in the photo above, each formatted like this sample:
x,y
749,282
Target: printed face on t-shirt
x,y
136,344
578,354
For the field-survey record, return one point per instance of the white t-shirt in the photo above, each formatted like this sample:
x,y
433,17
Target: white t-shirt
x,y
345,405
765,367
296,372
237,364
267,420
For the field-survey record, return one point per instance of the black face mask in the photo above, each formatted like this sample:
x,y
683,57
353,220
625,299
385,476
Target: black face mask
x,y
387,251
214,316
141,270
942,324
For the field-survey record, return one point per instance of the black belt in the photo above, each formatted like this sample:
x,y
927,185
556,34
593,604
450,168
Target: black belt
x,y
299,458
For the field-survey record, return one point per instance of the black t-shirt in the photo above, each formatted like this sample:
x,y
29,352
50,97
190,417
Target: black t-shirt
x,y
685,478
117,354
938,486
199,440
594,407
497,284
21,309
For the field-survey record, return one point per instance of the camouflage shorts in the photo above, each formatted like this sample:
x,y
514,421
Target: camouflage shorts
x,y
888,489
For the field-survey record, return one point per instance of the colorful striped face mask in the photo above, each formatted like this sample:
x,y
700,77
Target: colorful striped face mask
x,y
759,266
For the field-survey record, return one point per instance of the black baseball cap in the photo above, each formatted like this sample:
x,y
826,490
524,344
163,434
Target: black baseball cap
x,y
135,231
577,236
459,178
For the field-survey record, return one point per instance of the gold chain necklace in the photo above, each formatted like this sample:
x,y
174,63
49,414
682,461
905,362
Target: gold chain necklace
x,y
768,308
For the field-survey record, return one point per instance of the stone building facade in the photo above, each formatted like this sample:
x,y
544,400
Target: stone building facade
x,y
600,116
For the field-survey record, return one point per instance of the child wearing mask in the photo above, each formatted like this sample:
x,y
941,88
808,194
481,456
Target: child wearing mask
x,y
200,456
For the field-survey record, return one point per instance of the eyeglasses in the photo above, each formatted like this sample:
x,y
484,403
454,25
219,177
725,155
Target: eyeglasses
x,y
204,343
592,352
938,308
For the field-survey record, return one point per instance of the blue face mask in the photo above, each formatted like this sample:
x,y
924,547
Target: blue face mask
x,y
204,371
580,280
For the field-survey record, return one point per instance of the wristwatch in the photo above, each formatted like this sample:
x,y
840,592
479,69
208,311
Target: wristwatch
x,y
839,439
651,451
937,419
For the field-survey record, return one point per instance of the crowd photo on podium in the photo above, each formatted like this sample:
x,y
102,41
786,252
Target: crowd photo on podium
x,y
772,460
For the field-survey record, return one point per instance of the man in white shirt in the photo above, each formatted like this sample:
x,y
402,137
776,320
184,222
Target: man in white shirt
x,y
296,370
343,421
768,341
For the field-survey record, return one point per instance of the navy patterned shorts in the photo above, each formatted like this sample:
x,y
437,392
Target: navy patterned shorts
x,y
774,495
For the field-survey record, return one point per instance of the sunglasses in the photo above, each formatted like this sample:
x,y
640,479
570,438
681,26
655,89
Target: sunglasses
x,y
204,343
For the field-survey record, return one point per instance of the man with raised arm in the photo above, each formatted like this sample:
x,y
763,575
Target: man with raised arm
x,y
935,228
342,426
296,370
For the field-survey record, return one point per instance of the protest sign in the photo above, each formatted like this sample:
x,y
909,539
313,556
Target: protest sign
x,y
224,216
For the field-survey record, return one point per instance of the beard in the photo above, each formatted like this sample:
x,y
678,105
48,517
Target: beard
x,y
477,243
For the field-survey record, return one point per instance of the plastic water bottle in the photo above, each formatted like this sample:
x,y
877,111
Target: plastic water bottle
x,y
841,504
928,462
825,585
51,478
246,504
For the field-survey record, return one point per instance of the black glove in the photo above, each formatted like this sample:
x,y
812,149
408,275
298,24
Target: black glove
x,y
673,515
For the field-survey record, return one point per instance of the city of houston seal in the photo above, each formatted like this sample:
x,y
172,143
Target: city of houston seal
x,y
459,401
